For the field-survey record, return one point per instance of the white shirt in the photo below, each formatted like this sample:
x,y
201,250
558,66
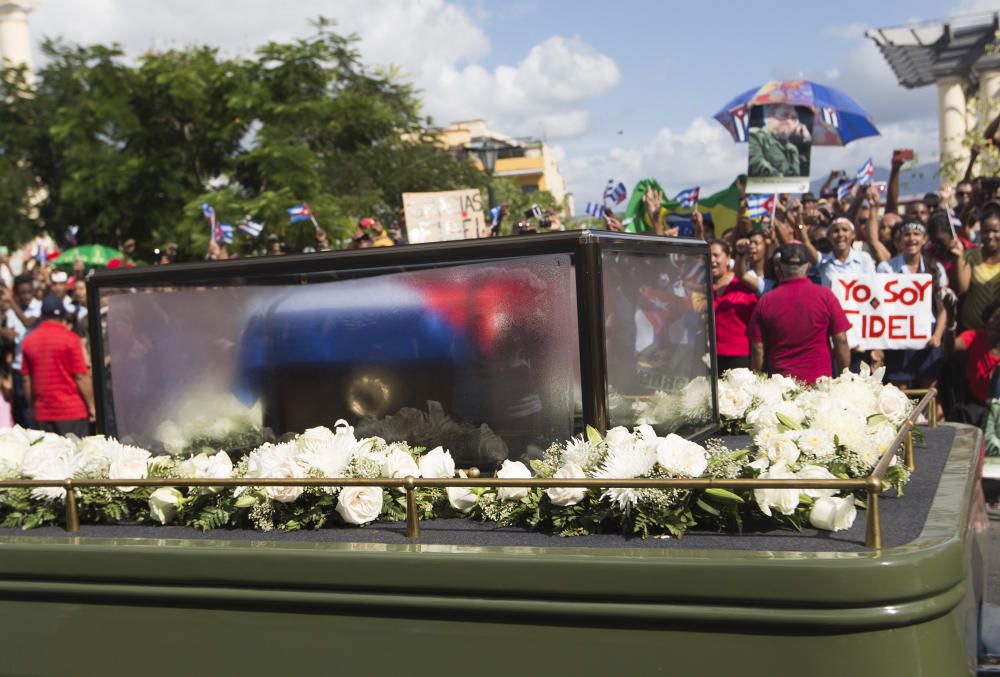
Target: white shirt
x,y
20,331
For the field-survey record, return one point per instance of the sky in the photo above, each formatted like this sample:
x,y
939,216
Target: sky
x,y
623,91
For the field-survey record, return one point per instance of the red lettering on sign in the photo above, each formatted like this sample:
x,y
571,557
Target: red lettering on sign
x,y
876,326
897,326
913,330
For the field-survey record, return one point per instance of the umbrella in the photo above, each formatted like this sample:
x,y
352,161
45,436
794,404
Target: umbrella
x,y
92,255
838,121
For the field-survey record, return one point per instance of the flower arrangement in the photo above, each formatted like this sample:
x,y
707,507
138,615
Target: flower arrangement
x,y
837,429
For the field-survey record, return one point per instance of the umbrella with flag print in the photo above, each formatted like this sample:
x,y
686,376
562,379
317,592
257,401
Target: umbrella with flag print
x,y
92,256
838,121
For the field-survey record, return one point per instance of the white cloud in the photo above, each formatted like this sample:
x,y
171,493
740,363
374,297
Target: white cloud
x,y
847,31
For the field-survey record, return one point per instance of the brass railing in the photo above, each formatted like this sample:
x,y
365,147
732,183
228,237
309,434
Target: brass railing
x,y
871,485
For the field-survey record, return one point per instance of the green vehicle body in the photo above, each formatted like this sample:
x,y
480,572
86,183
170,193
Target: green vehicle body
x,y
72,605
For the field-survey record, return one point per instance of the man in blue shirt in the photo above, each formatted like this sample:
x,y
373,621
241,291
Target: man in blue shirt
x,y
496,218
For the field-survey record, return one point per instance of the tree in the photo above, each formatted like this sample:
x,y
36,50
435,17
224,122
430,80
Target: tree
x,y
132,150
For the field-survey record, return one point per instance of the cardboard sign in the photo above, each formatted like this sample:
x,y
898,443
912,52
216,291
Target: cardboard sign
x,y
887,312
448,215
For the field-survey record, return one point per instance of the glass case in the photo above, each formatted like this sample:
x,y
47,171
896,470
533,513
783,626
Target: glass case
x,y
491,348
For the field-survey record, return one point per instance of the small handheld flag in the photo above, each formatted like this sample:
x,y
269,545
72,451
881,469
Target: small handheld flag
x,y
595,209
300,213
619,193
251,228
844,190
71,234
865,174
761,205
687,199
224,233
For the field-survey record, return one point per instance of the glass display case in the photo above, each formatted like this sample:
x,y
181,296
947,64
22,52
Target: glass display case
x,y
491,348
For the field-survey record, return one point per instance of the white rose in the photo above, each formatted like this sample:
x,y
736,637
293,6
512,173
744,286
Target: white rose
x,y
857,392
563,496
130,463
619,436
679,456
399,463
164,504
833,514
219,466
462,499
785,500
359,505
733,400
436,463
742,378
513,470
893,404
50,468
815,472
782,449
276,460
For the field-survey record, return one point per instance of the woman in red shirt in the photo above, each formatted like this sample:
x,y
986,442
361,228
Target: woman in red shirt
x,y
734,305
982,348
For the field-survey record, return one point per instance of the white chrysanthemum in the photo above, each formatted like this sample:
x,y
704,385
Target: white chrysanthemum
x,y
327,452
276,460
875,441
858,392
840,419
49,452
815,443
579,452
696,400
13,448
626,459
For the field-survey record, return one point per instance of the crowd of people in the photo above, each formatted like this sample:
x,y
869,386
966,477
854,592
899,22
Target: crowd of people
x,y
774,310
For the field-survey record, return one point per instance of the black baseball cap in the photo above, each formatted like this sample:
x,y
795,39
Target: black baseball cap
x,y
808,197
52,307
792,254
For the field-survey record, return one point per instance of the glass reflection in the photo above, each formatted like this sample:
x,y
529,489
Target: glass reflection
x,y
481,358
657,341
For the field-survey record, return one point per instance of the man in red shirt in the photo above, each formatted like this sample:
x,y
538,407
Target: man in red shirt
x,y
56,378
792,325
982,348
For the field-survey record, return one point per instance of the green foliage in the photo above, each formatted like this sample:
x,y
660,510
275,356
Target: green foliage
x,y
507,191
131,149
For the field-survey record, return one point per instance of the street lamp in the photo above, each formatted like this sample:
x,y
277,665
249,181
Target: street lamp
x,y
486,151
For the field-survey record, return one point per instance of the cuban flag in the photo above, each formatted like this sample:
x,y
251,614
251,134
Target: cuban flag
x,y
954,222
300,213
688,198
761,205
619,193
740,117
844,190
71,234
595,209
251,228
831,118
609,189
207,210
224,233
865,174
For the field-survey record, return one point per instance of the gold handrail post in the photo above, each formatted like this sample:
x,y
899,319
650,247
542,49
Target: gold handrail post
x,y
72,518
412,517
873,530
932,414
908,456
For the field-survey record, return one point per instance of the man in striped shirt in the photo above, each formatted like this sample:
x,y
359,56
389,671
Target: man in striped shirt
x,y
56,377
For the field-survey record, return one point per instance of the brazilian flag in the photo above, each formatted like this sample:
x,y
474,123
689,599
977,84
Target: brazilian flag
x,y
723,207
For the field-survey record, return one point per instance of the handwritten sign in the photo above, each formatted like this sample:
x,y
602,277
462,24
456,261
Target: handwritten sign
x,y
887,312
447,215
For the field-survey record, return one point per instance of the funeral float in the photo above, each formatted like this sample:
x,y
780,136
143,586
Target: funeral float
x,y
415,459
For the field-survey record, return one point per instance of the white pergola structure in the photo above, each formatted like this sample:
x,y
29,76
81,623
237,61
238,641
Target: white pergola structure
x,y
958,55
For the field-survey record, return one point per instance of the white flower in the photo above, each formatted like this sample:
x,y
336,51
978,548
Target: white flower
x,y
815,443
833,514
782,449
733,400
742,378
95,453
327,452
682,457
841,420
462,499
399,463
437,463
359,505
205,466
627,458
857,392
47,451
785,500
13,448
563,496
276,460
128,463
619,436
875,441
579,451
893,404
164,504
815,472
513,470
696,400
49,467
